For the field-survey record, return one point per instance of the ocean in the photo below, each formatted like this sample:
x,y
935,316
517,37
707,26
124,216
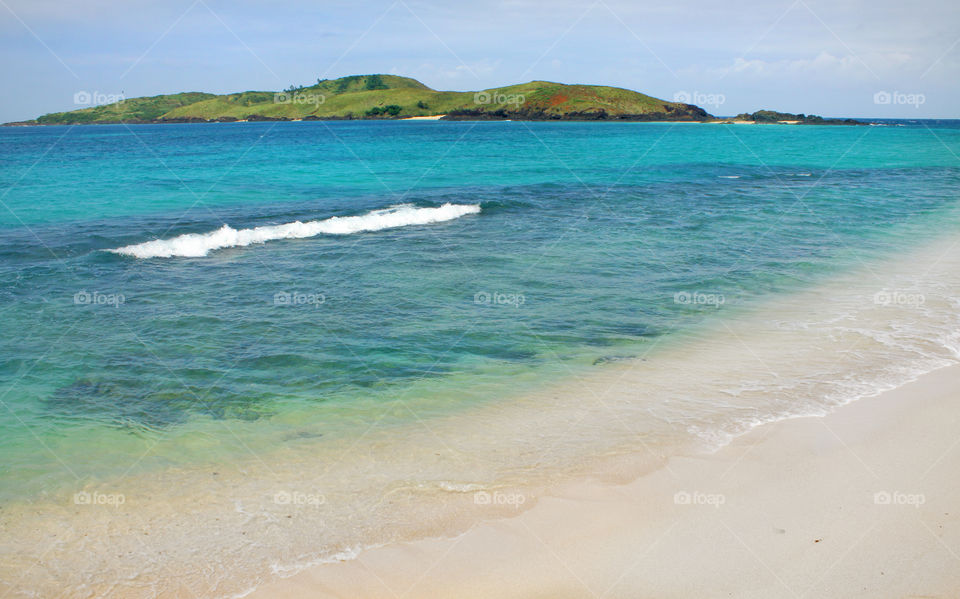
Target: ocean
x,y
325,336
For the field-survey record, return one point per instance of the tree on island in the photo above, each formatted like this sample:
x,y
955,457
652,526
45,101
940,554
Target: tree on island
x,y
375,82
389,110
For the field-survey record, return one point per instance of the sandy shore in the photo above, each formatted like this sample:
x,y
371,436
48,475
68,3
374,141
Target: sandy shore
x,y
435,117
861,503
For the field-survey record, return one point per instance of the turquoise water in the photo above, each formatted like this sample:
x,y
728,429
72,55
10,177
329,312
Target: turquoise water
x,y
593,241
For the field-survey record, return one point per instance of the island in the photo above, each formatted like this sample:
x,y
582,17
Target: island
x,y
392,97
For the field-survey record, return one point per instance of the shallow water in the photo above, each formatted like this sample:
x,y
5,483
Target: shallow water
x,y
624,290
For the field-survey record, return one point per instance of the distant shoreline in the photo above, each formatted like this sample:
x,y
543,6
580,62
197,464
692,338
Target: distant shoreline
x,y
448,118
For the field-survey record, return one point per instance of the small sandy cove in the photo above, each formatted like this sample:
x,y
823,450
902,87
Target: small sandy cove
x,y
861,503
435,117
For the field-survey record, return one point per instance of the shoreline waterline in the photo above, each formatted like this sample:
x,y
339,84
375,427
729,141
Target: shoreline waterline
x,y
318,498
785,499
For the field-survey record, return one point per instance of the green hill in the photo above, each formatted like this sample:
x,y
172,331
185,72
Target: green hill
x,y
386,97
134,110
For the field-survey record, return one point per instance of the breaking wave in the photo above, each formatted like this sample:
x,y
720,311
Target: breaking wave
x,y
194,245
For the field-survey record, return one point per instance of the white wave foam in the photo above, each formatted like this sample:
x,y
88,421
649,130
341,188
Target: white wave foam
x,y
459,487
195,245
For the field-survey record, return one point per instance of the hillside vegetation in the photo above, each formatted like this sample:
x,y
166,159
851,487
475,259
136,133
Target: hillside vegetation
x,y
134,110
387,97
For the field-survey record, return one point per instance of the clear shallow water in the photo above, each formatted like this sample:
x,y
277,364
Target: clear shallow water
x,y
595,227
594,243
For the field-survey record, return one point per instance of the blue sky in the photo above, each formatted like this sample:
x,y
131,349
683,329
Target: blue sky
x,y
867,59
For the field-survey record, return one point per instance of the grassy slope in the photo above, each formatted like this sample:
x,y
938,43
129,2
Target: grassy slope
x,y
558,98
132,110
353,97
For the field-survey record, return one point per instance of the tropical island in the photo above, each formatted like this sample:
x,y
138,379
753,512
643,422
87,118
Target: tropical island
x,y
391,97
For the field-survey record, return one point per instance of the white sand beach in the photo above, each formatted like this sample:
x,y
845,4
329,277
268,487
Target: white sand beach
x,y
860,503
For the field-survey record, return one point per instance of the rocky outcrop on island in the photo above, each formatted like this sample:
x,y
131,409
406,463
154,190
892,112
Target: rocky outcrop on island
x,y
774,117
681,112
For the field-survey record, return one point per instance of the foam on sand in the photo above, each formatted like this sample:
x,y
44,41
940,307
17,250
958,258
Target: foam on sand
x,y
194,245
